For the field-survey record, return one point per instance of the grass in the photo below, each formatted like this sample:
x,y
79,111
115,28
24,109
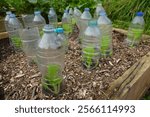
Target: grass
x,y
147,96
121,12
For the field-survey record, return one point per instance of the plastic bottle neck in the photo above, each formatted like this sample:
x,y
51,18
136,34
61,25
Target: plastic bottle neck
x,y
139,16
66,15
86,12
104,16
37,14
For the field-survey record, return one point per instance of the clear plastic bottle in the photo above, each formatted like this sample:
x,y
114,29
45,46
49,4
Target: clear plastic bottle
x,y
7,19
70,11
84,19
61,37
105,26
91,46
7,15
50,58
52,16
76,16
28,20
66,23
99,8
39,21
13,30
71,15
136,30
30,38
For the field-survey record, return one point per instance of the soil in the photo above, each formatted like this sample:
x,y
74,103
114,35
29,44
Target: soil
x,y
22,81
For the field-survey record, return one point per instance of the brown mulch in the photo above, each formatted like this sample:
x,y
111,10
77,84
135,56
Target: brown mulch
x,y
22,81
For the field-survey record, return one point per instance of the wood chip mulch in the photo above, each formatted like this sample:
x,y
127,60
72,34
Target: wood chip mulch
x,y
21,81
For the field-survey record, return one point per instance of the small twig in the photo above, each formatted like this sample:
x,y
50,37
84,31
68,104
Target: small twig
x,y
33,93
105,94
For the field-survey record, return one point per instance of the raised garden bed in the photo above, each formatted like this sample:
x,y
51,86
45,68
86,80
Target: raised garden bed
x,y
125,75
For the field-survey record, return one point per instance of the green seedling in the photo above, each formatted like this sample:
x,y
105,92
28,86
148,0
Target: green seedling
x,y
67,28
41,33
88,54
16,42
74,21
52,80
105,44
135,35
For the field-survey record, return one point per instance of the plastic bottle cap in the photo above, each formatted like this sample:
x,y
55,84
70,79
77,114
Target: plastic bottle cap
x,y
59,30
86,9
102,13
48,28
92,23
8,12
37,12
12,15
139,14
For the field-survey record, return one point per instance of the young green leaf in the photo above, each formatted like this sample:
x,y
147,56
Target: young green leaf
x,y
88,54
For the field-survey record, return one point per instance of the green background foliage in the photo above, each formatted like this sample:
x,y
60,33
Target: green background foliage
x,y
121,12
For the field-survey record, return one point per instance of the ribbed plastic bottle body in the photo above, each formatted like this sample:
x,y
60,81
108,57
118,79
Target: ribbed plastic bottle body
x,y
50,58
135,31
52,16
30,38
105,26
90,47
84,19
14,26
66,23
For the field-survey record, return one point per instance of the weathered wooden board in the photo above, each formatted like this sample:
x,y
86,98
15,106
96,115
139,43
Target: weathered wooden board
x,y
3,35
133,83
125,32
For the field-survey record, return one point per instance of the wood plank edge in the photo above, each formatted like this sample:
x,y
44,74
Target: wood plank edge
x,y
144,72
4,35
144,36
